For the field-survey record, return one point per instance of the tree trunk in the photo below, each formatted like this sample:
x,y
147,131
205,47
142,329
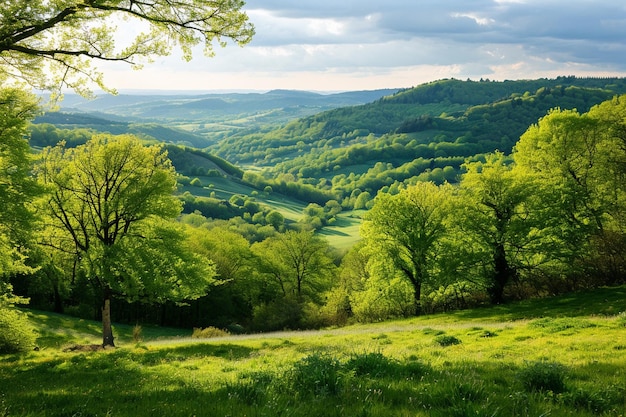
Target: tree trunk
x,y
58,301
107,330
417,293
502,275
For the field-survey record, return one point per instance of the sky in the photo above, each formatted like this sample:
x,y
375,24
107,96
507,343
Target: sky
x,y
347,45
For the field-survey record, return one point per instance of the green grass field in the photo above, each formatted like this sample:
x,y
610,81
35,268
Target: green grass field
x,y
560,357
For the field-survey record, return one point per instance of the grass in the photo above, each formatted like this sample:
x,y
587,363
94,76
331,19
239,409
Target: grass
x,y
559,357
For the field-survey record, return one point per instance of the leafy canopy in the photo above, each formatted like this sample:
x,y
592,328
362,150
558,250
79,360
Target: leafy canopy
x,y
17,187
62,37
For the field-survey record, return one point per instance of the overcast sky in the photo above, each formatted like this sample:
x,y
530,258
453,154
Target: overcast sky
x,y
337,45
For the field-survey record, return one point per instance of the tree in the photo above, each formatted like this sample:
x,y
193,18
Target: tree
x,y
495,221
17,187
299,262
582,158
275,219
109,204
50,43
405,231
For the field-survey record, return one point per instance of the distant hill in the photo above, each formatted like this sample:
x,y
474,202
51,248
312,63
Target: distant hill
x,y
97,123
208,107
422,133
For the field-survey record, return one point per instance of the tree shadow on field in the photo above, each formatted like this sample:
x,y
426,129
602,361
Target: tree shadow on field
x,y
599,302
193,351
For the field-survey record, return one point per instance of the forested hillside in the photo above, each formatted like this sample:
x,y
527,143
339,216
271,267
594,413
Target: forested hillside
x,y
423,133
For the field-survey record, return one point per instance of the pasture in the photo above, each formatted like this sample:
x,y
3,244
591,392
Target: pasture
x,y
564,356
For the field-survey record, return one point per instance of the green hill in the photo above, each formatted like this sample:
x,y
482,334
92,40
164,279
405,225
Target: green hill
x,y
423,133
43,126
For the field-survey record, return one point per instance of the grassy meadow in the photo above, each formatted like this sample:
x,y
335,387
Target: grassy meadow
x,y
564,356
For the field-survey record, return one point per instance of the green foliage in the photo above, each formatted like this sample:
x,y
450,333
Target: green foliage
x,y
372,364
16,332
208,332
447,340
404,231
299,263
112,201
381,298
17,188
51,44
316,375
279,314
543,376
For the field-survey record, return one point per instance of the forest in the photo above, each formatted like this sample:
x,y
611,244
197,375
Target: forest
x,y
456,210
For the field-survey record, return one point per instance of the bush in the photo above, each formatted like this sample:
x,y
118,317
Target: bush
x,y
317,375
445,340
372,364
543,376
280,314
208,333
16,332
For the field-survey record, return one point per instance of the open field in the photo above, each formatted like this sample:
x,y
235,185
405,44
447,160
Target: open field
x,y
560,357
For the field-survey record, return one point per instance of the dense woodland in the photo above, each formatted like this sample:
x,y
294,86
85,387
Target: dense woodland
x,y
468,193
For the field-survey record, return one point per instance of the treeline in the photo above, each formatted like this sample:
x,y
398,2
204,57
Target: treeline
x,y
192,162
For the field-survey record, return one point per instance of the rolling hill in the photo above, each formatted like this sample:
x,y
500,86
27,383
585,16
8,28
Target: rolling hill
x,y
306,153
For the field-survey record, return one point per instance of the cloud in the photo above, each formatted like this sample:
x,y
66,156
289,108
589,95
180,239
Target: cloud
x,y
320,43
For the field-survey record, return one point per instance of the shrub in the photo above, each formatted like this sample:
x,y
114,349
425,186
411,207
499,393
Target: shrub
x,y
280,314
372,364
446,340
543,376
16,332
137,330
208,333
317,375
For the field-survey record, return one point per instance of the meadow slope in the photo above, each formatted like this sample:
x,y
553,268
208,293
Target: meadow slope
x,y
563,356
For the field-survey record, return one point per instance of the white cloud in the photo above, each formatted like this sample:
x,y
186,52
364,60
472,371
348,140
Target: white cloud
x,y
365,44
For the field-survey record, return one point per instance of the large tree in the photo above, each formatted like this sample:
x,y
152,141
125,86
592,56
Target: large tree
x,y
17,187
51,43
110,203
405,231
495,217
582,158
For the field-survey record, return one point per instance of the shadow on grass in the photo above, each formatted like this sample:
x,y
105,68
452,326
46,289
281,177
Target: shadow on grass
x,y
599,302
192,351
